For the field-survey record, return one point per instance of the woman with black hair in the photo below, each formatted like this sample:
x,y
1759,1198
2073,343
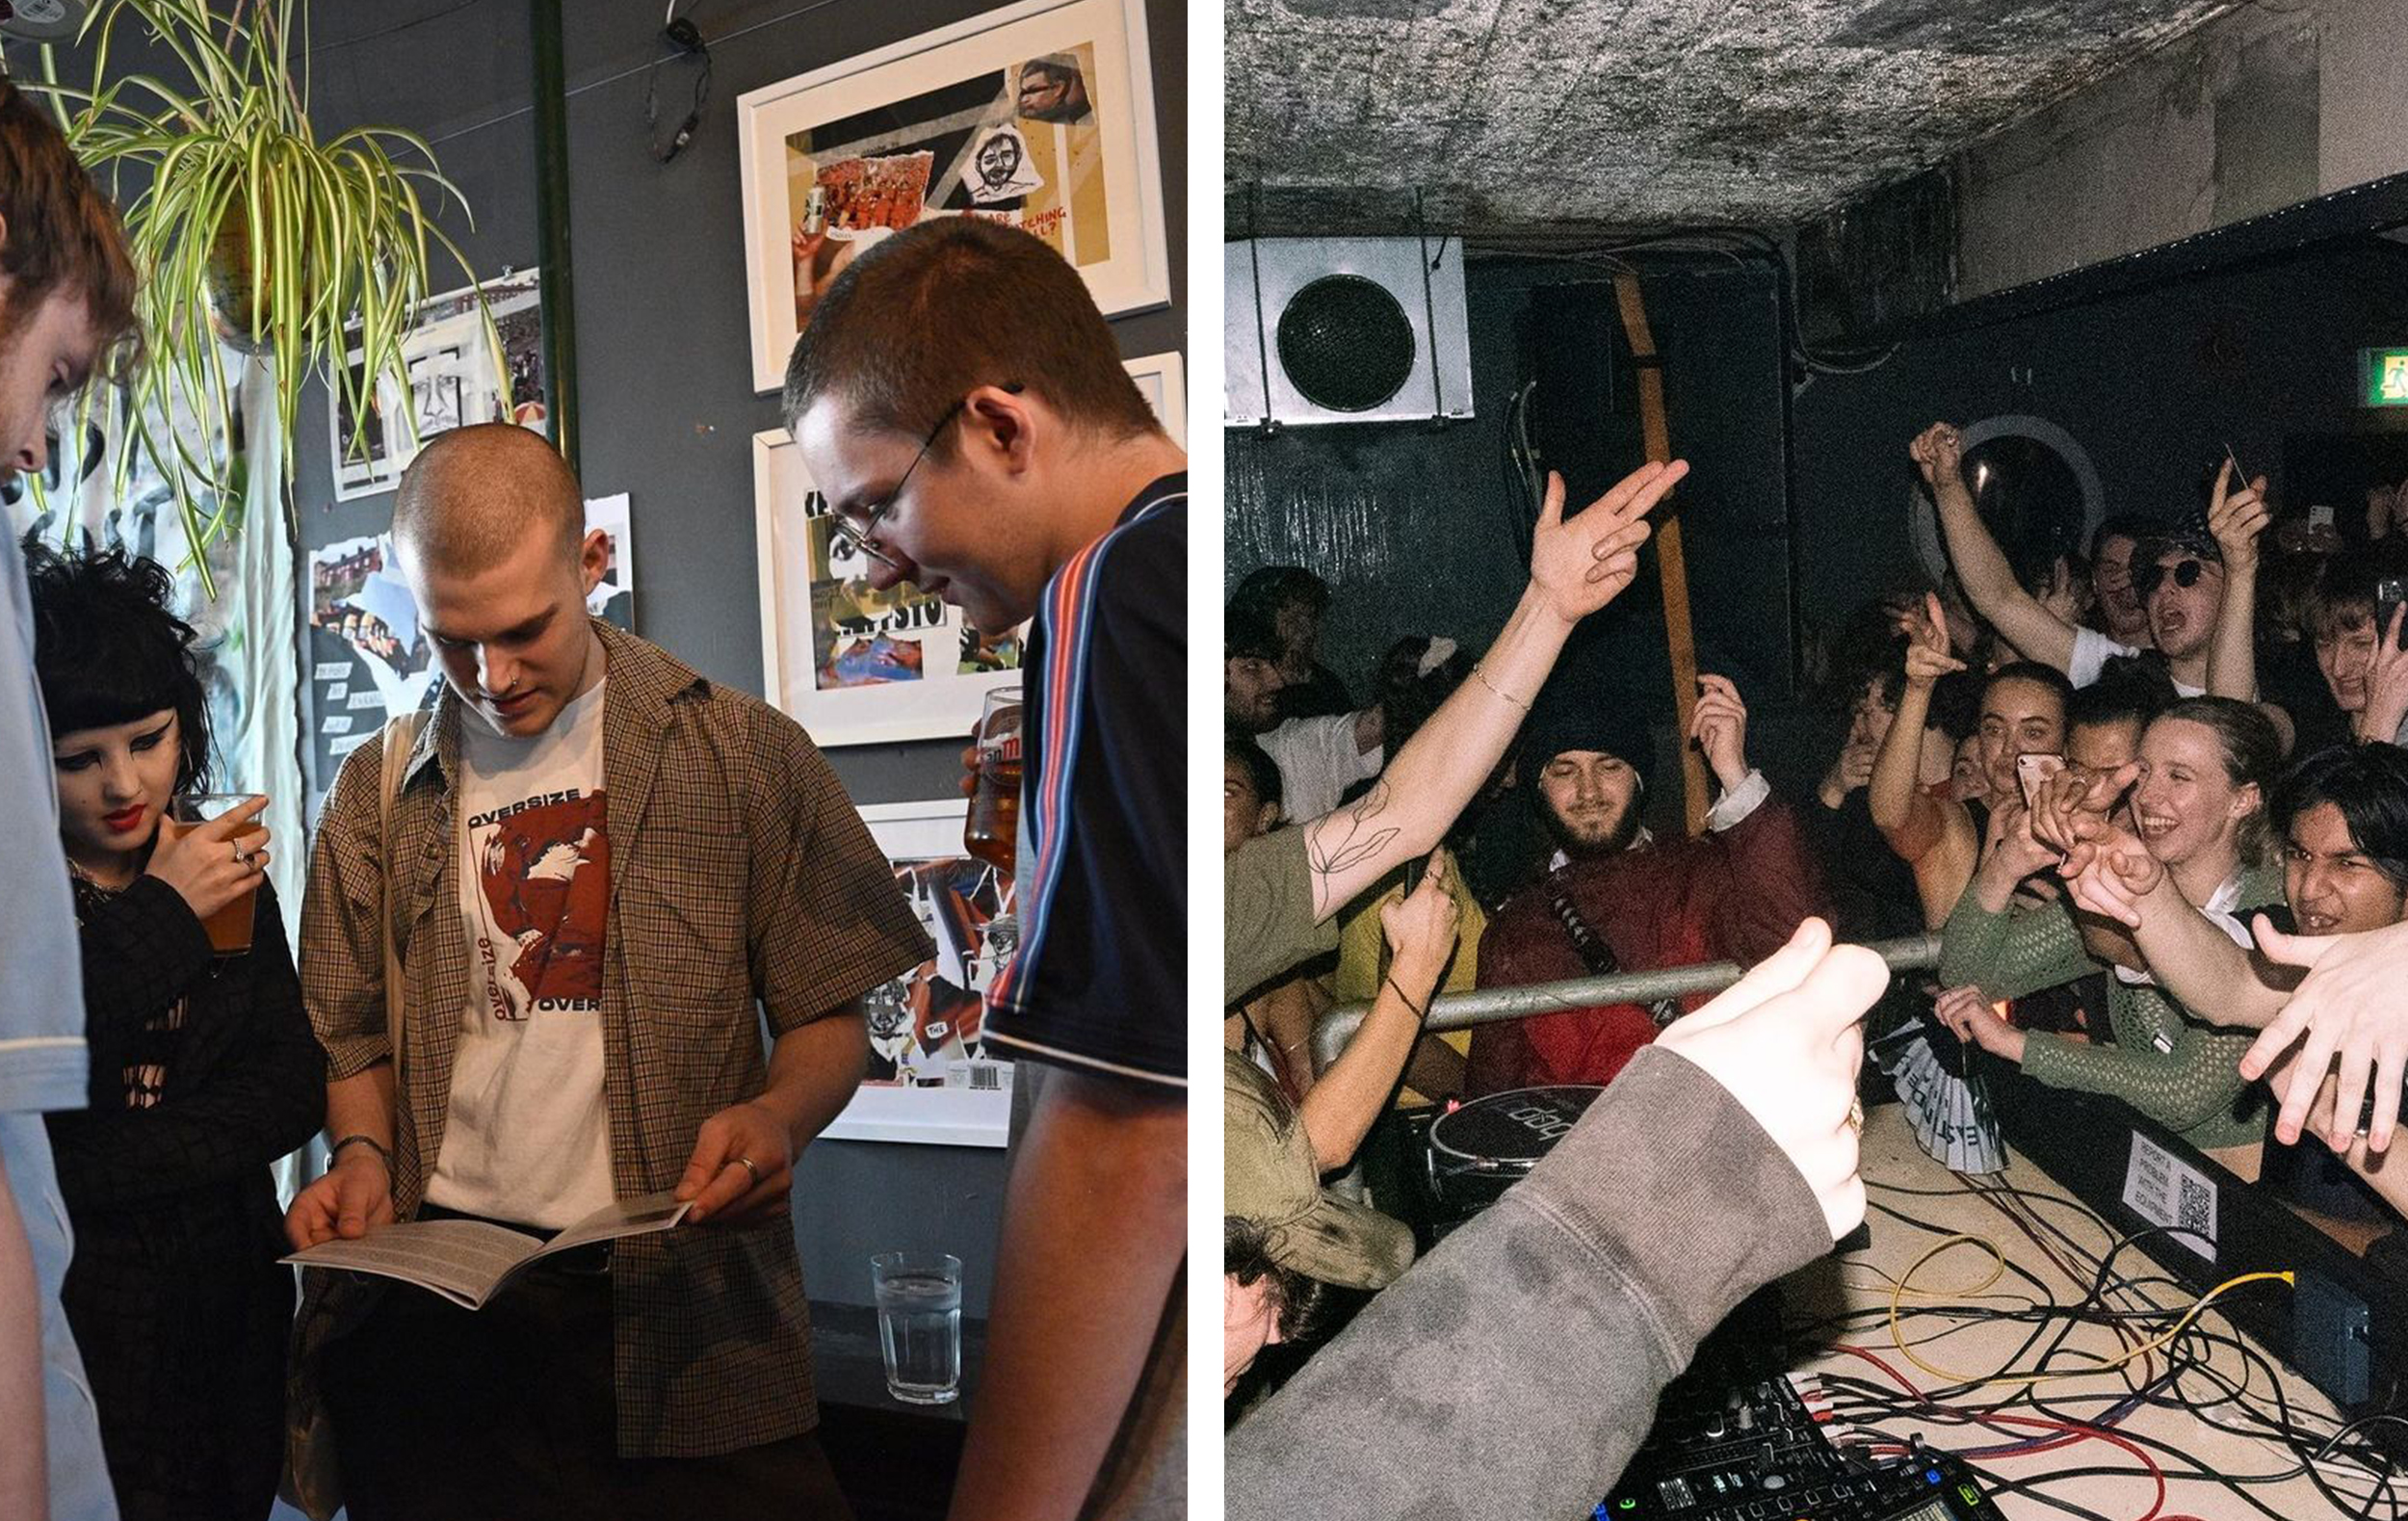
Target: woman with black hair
x,y
204,1068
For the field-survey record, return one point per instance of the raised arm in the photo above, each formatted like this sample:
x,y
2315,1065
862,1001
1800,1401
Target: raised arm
x,y
1982,567
1421,929
2204,968
1577,567
1934,837
2237,518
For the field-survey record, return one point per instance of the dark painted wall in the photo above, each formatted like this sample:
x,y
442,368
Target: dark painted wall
x,y
665,389
2152,386
1422,532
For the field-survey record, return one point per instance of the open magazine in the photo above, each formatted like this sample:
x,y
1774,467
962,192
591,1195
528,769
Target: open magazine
x,y
467,1261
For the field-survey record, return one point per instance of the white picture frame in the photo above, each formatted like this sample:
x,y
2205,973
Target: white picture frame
x,y
883,174
1163,378
789,554
817,612
923,835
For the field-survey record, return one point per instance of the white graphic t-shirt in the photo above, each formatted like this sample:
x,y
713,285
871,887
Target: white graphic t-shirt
x,y
528,1136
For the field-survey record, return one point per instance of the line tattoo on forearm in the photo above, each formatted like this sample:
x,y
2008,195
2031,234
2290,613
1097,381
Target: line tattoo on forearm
x,y
1347,839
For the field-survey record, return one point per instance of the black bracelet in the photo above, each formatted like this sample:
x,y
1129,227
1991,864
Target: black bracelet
x,y
1419,1012
369,1142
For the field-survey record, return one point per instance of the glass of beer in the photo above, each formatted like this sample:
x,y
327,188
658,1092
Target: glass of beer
x,y
993,826
229,927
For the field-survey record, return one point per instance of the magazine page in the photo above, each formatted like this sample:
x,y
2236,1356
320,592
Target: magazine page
x,y
464,1260
636,1217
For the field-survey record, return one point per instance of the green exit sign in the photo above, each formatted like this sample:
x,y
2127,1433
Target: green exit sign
x,y
2387,376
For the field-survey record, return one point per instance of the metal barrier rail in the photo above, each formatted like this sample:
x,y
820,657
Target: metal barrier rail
x,y
1495,1005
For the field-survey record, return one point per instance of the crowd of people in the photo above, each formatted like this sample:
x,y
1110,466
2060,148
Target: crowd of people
x,y
2133,791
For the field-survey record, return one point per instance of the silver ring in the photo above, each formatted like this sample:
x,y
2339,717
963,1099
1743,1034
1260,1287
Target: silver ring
x,y
746,1164
240,858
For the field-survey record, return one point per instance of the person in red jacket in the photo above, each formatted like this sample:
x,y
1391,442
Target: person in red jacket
x,y
1616,898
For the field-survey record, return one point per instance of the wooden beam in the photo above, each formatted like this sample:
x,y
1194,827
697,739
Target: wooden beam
x,y
1672,567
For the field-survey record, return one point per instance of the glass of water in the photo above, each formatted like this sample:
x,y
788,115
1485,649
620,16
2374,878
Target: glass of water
x,y
919,1324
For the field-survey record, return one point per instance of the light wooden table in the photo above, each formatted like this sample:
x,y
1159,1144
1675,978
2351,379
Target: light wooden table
x,y
1863,1280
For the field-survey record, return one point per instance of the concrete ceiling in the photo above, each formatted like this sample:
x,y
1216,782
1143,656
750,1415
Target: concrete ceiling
x,y
1519,115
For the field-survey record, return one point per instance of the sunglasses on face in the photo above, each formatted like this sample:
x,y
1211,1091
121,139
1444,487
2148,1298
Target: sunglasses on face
x,y
2186,573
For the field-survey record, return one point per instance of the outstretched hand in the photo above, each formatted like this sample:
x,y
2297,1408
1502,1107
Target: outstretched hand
x,y
2070,809
2117,877
2348,1010
2235,519
1927,630
1420,927
1584,562
1785,1042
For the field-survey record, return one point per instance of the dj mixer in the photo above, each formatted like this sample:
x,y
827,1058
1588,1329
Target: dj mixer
x,y
1737,1439
1757,1454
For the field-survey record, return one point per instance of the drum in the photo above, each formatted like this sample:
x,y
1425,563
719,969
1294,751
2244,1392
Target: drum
x,y
1478,1150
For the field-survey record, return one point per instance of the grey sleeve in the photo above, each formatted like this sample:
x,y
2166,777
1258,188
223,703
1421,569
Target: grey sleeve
x,y
1514,1370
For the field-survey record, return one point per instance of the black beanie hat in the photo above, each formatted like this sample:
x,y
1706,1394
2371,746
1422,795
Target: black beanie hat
x,y
1607,722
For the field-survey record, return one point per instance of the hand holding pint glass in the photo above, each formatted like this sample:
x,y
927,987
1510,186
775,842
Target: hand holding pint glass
x,y
993,826
213,850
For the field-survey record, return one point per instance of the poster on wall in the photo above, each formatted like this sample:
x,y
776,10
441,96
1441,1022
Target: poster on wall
x,y
1039,115
931,1078
369,660
80,500
452,378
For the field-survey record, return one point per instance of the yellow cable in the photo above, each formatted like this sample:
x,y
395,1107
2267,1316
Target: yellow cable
x,y
1898,1335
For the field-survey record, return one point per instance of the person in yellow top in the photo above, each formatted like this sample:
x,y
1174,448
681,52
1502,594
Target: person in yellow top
x,y
1436,1069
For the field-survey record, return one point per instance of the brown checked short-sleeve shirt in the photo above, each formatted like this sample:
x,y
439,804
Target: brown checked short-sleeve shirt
x,y
740,870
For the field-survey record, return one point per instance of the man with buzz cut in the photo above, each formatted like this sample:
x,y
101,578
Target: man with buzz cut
x,y
962,405
598,864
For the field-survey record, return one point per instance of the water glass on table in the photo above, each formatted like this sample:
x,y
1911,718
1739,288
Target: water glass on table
x,y
919,1324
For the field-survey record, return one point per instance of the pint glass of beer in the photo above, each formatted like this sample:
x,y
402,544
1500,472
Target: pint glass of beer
x,y
229,927
995,806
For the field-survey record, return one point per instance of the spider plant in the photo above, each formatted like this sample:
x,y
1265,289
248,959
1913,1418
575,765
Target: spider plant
x,y
248,229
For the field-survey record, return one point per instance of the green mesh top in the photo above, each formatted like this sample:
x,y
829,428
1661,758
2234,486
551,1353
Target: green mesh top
x,y
2180,1072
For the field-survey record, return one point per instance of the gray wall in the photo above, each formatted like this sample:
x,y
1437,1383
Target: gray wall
x,y
2262,107
664,391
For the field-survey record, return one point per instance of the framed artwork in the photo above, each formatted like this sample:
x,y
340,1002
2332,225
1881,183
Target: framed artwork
x,y
1040,115
860,666
854,665
1163,378
454,377
931,1077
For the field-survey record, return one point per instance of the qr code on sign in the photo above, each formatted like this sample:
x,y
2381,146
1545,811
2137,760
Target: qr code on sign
x,y
2196,1207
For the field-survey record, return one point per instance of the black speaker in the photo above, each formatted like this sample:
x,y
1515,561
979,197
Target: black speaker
x,y
1346,343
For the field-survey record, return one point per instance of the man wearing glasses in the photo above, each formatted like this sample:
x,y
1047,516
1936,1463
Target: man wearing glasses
x,y
963,405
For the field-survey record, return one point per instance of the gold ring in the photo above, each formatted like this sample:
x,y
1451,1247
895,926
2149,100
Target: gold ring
x,y
1856,1116
746,1164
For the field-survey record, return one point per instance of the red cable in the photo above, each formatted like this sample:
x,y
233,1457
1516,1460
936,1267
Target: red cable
x,y
2074,1432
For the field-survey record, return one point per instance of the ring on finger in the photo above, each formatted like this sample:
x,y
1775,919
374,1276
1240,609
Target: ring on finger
x,y
747,1164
